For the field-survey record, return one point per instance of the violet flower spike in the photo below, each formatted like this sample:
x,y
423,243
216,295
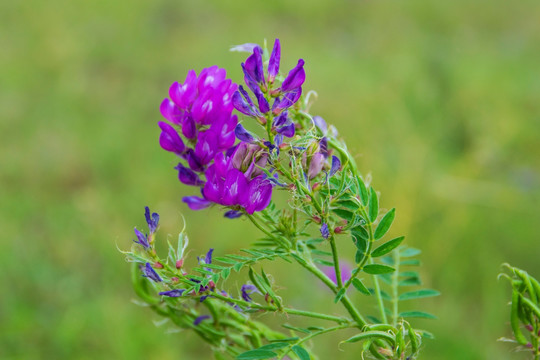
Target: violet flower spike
x,y
142,239
325,232
152,221
150,273
273,64
172,293
199,319
336,165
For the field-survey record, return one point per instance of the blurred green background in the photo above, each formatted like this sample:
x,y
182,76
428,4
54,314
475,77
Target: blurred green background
x,y
440,100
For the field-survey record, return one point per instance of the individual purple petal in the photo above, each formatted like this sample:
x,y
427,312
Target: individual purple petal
x,y
193,161
273,64
224,128
316,164
184,94
242,105
235,188
321,124
142,239
169,139
246,290
150,273
281,119
233,214
151,220
278,140
295,78
264,107
199,319
188,176
253,67
213,189
247,47
172,293
207,146
336,165
243,135
171,112
288,100
287,129
325,232
323,145
189,128
274,180
208,257
259,195
196,203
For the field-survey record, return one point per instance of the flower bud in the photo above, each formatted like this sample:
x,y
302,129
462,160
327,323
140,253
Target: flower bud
x,y
180,263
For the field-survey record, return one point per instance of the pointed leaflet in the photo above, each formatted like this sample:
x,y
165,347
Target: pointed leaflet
x,y
256,355
385,224
387,247
301,352
371,335
417,314
373,205
357,283
417,294
375,269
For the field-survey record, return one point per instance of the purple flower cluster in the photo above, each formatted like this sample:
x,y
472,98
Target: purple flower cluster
x,y
202,107
262,85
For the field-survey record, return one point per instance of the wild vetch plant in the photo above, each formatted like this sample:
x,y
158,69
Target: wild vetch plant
x,y
329,203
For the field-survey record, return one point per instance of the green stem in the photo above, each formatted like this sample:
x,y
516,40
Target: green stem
x,y
395,289
380,302
288,311
335,257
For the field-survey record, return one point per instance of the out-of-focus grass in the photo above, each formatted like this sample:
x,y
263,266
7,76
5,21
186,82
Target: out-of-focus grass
x,y
439,99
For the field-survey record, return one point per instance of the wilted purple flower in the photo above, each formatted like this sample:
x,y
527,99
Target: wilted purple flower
x,y
169,139
345,270
172,293
196,203
246,290
273,64
188,176
199,319
323,146
315,165
141,239
233,214
295,78
336,165
243,135
152,221
325,232
287,129
288,100
150,273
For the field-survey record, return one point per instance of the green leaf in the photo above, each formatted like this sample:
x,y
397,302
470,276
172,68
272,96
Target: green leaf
x,y
359,256
237,267
348,204
385,224
371,335
301,352
360,232
412,281
357,283
412,262
375,269
409,252
256,354
321,253
340,294
286,339
417,294
387,247
323,262
363,192
344,214
373,205
273,346
225,260
290,327
417,314
225,273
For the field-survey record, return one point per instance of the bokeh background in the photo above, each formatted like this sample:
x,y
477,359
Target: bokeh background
x,y
439,99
